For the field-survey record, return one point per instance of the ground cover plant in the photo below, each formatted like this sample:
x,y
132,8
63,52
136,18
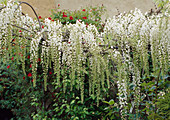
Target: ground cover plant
x,y
70,70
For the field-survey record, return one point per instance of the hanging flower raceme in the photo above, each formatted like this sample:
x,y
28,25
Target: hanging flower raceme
x,y
34,55
135,32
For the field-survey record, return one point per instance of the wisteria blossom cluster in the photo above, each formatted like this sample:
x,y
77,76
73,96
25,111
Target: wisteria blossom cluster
x,y
15,28
119,53
144,36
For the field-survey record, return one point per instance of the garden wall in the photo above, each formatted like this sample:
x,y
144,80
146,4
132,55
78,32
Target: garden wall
x,y
43,6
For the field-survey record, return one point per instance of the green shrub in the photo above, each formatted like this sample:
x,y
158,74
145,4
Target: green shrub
x,y
88,15
163,104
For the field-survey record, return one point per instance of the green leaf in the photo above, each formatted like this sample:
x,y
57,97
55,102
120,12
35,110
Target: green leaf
x,y
153,88
72,102
106,108
77,98
111,102
106,102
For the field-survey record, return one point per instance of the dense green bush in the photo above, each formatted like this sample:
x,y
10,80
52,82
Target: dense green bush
x,y
163,105
88,15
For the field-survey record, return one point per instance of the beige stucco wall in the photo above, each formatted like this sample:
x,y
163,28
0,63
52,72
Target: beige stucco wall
x,y
43,7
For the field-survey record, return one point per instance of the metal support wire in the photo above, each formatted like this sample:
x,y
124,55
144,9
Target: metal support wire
x,y
31,8
20,2
33,11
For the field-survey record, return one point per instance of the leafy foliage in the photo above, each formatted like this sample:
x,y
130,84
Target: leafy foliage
x,y
163,105
88,15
